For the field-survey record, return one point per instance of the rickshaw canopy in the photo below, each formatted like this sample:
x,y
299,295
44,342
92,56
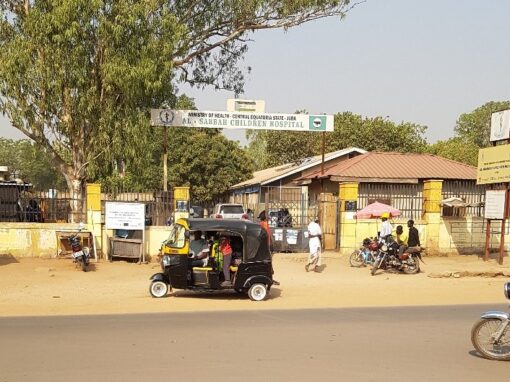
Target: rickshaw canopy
x,y
254,237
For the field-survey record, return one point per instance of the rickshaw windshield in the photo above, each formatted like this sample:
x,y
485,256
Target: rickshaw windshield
x,y
176,239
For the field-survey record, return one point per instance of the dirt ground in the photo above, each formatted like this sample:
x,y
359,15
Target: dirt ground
x,y
57,287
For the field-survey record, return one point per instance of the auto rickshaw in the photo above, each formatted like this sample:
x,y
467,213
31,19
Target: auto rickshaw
x,y
251,270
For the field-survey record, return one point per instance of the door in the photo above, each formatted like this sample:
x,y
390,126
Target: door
x,y
328,214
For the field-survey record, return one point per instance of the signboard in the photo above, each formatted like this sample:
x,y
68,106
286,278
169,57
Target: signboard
x,y
129,216
500,125
236,120
493,165
246,105
495,204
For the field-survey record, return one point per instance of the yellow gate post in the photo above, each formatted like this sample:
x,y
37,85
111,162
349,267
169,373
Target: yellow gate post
x,y
348,198
181,203
432,195
94,213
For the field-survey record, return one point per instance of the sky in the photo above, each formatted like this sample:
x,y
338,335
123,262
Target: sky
x,y
408,60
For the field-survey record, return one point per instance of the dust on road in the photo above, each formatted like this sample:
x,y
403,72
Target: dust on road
x,y
57,287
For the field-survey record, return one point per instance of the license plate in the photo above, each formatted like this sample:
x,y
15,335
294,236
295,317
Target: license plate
x,y
77,254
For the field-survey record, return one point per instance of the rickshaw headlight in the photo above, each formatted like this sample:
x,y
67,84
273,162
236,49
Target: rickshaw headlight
x,y
165,262
384,248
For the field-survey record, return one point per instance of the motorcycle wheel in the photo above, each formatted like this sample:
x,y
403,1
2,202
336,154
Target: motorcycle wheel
x,y
356,259
413,268
158,289
83,264
482,338
374,267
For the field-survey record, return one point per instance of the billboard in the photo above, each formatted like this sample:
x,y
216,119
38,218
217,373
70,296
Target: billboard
x,y
237,120
500,125
493,165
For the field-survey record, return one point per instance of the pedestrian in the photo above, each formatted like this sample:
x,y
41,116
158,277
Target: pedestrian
x,y
315,245
413,238
265,226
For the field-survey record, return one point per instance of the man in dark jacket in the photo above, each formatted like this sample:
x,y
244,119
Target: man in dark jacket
x,y
413,239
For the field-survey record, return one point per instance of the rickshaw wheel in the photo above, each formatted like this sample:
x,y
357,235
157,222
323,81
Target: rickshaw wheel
x,y
158,289
257,292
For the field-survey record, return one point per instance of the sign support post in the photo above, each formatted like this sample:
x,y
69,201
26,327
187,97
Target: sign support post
x,y
493,169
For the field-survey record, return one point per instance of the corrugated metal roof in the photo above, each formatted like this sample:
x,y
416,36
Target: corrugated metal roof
x,y
389,165
272,174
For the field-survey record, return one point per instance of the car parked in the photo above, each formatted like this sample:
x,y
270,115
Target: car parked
x,y
229,211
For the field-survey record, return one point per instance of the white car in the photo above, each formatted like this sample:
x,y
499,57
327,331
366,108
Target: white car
x,y
229,211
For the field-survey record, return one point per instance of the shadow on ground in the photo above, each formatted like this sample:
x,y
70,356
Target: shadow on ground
x,y
7,259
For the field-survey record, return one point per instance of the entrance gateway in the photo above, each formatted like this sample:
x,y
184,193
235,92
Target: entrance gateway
x,y
248,115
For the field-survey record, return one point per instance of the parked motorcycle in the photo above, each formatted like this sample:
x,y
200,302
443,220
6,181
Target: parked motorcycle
x,y
80,254
491,334
388,258
366,254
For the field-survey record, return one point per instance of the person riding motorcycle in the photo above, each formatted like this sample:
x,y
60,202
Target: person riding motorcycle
x,y
386,227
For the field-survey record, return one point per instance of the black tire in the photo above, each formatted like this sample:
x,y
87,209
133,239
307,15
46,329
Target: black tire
x,y
158,289
411,269
374,267
83,264
486,327
356,259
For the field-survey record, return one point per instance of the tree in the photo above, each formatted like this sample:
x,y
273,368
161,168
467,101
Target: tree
x,y
375,134
83,74
475,127
457,149
351,130
29,163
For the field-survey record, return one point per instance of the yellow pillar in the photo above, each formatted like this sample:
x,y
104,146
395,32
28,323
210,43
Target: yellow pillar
x,y
432,196
181,203
348,199
94,213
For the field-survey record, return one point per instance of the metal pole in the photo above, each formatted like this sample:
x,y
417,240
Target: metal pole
x,y
165,158
487,240
322,150
502,240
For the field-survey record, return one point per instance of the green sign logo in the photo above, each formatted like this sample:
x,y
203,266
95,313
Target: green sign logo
x,y
317,122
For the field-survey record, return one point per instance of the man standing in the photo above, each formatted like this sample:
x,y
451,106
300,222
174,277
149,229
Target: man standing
x,y
315,244
264,224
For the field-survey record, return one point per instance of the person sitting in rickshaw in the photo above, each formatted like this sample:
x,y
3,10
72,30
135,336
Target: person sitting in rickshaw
x,y
199,250
226,253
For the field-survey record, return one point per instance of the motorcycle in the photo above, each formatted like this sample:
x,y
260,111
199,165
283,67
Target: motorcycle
x,y
80,254
366,254
491,334
388,258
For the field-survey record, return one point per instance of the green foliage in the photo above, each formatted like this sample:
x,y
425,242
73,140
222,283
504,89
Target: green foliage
x,y
29,163
457,149
208,163
375,134
351,130
475,126
79,76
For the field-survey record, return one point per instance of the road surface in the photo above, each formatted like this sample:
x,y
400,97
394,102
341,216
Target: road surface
x,y
358,344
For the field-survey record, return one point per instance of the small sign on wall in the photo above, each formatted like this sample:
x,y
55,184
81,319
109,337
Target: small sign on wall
x,y
129,216
495,204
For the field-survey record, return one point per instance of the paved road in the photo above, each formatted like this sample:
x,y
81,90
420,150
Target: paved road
x,y
371,344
